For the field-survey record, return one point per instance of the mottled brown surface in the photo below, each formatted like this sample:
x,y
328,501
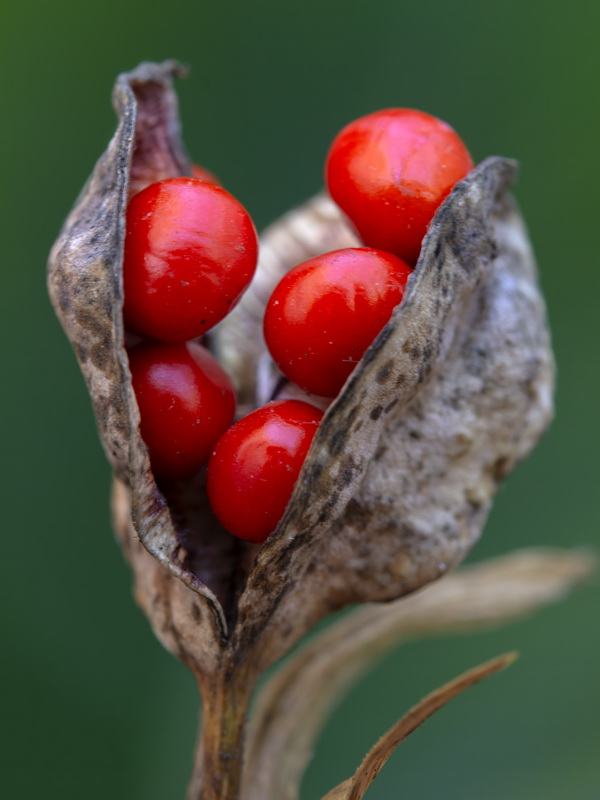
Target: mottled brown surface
x,y
176,612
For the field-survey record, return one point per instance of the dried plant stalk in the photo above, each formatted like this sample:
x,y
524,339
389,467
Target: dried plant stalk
x,y
452,394
357,785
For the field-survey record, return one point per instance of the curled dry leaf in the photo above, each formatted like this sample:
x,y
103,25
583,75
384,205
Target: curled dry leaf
x,y
452,394
355,787
296,702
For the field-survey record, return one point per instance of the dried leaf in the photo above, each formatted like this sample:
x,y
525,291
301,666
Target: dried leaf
x,y
355,787
298,699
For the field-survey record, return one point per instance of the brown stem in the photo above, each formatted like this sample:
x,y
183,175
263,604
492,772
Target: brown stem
x,y
218,764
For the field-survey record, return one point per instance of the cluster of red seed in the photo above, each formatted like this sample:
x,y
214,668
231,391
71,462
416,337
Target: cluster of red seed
x,y
191,251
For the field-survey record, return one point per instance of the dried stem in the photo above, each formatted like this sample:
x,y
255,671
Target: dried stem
x,y
355,787
219,757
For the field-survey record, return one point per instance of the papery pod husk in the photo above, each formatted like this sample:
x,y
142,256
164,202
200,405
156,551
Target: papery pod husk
x,y
452,394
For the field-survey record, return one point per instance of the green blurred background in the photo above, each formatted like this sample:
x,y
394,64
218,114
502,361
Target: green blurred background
x,y
91,705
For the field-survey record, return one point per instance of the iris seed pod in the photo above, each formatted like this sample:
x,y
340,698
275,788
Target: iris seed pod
x,y
453,393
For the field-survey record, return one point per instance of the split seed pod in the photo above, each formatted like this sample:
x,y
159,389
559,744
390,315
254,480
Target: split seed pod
x,y
452,394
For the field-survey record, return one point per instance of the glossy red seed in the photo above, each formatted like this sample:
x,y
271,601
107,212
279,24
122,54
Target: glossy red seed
x,y
186,403
254,467
390,171
326,312
190,252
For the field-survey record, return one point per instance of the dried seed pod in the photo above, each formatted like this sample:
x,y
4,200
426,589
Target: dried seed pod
x,y
454,391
